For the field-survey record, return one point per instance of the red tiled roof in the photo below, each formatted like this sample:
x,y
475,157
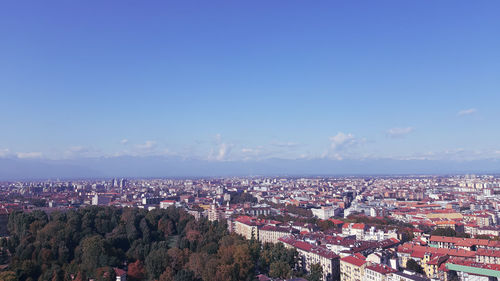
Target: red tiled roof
x,y
381,268
418,254
335,221
360,256
119,272
358,226
353,260
488,253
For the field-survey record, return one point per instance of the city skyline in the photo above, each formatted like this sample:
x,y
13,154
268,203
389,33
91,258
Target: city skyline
x,y
246,83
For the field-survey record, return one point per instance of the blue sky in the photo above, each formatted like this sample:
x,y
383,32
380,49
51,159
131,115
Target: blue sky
x,y
250,80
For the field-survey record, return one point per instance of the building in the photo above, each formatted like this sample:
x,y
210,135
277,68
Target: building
x,y
310,254
325,213
166,203
247,227
272,234
357,229
100,200
403,276
215,214
471,271
121,275
488,256
377,272
352,268
151,200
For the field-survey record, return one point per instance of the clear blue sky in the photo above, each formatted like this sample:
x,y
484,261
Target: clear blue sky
x,y
234,80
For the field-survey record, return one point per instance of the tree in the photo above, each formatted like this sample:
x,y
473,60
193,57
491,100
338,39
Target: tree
x,y
412,265
197,263
136,271
449,232
167,275
94,253
315,273
243,262
105,273
8,276
156,263
184,275
325,224
453,276
280,269
163,245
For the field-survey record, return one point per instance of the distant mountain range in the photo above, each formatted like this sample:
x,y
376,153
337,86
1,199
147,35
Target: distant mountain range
x,y
157,166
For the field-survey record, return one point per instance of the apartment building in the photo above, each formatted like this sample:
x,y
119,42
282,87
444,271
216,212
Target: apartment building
x,y
310,254
248,227
272,234
377,272
352,268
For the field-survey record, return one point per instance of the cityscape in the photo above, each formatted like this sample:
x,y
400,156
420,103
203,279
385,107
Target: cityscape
x,y
262,140
355,228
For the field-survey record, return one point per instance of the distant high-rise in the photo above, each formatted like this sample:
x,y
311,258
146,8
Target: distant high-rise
x,y
123,183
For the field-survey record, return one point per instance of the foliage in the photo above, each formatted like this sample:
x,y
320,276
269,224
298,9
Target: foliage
x,y
316,273
449,232
157,245
242,197
7,276
412,265
453,276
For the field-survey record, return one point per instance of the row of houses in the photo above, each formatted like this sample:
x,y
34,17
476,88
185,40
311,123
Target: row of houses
x,y
363,232
358,268
310,254
470,244
431,259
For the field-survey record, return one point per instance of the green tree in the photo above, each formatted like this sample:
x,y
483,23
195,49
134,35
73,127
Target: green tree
x,y
156,262
412,265
280,269
453,276
94,252
448,231
315,273
184,275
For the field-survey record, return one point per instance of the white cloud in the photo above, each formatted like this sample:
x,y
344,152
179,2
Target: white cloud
x,y
4,152
455,154
220,152
340,144
248,153
147,146
221,149
78,149
399,132
465,112
341,140
124,141
288,144
27,155
81,151
248,150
